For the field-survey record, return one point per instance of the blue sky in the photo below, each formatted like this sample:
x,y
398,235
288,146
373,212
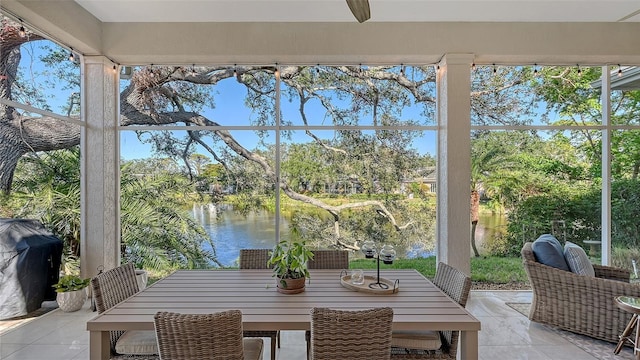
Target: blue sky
x,y
229,109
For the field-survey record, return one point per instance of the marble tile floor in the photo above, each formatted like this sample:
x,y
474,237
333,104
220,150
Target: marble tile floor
x,y
505,334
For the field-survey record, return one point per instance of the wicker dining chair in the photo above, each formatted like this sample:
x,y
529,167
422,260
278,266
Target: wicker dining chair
x,y
254,258
216,336
351,334
257,259
435,344
109,289
329,259
326,259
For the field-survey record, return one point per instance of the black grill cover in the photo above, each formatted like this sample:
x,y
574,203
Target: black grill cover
x,y
30,259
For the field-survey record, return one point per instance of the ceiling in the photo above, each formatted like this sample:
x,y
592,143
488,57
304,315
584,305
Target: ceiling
x,y
381,10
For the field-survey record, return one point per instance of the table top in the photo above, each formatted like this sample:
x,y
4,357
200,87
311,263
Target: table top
x,y
417,305
629,303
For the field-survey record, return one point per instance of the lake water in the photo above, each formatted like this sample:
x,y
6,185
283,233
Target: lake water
x,y
230,232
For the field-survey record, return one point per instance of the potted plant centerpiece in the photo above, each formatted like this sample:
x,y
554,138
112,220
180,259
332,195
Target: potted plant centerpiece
x,y
289,261
72,292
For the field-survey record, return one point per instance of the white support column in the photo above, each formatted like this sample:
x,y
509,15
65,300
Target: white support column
x,y
454,161
605,98
99,183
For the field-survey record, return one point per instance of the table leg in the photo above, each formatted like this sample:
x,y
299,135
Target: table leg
x,y
625,334
99,345
468,345
636,343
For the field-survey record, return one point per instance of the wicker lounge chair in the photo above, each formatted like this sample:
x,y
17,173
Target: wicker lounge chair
x,y
577,303
110,288
353,335
257,259
215,336
457,286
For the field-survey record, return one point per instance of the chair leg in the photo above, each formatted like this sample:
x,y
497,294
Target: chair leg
x,y
273,347
625,334
307,338
636,343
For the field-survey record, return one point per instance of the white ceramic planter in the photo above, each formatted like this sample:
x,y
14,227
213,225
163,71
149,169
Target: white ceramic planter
x,y
142,276
71,300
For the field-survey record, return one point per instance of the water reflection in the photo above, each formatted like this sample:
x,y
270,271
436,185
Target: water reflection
x,y
230,232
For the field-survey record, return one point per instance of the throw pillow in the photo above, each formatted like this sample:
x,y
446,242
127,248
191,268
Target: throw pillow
x,y
578,260
548,251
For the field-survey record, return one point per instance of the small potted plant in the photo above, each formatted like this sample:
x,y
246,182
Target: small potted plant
x,y
72,292
289,261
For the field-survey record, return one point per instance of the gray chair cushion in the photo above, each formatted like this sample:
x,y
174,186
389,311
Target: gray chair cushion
x,y
548,251
578,260
423,340
253,348
137,342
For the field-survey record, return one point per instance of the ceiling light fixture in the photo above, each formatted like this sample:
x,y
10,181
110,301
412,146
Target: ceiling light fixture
x,y
71,57
619,70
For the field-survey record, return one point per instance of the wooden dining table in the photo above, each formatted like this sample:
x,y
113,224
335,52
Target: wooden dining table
x,y
417,304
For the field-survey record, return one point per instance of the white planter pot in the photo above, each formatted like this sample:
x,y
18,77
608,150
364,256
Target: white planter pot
x,y
142,277
71,300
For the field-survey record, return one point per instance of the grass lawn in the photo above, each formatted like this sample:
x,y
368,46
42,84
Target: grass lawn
x,y
488,272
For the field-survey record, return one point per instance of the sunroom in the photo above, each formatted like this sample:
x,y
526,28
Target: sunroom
x,y
452,47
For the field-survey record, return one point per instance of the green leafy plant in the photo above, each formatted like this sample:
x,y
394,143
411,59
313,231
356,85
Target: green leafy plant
x,y
289,260
71,283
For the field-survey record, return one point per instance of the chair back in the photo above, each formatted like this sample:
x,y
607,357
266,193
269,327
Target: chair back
x,y
457,286
353,335
527,252
216,336
112,287
329,259
254,258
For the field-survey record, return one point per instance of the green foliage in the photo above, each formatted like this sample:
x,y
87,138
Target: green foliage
x,y
71,283
289,259
156,232
579,208
624,257
47,188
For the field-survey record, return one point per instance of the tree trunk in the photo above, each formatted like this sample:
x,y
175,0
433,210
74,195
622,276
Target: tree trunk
x,y
474,224
21,135
475,216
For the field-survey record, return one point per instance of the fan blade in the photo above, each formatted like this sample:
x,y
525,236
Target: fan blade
x,y
360,9
637,12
